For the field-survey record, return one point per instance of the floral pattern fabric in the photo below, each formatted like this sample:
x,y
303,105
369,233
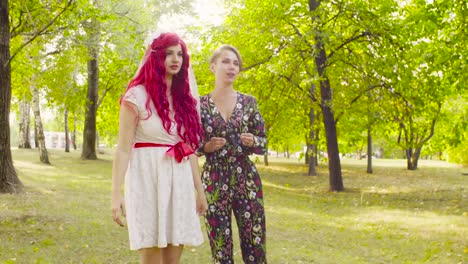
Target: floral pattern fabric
x,y
231,180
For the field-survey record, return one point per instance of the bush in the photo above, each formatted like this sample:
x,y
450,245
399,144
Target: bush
x,y
458,154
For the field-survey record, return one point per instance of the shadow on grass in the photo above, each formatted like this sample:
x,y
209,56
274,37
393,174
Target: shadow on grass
x,y
391,216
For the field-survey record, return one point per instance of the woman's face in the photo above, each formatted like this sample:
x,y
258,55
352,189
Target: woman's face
x,y
174,59
226,66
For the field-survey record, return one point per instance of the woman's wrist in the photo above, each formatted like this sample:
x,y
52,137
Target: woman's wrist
x,y
199,189
206,147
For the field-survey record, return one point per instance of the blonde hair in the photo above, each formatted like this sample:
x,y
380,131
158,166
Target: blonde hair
x,y
222,48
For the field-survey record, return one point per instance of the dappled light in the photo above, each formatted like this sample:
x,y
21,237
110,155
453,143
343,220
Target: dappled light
x,y
369,97
420,222
397,218
287,187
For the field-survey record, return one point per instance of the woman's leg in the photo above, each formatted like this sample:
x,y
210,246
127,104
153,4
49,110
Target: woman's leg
x,y
218,217
218,225
250,218
151,256
168,255
171,254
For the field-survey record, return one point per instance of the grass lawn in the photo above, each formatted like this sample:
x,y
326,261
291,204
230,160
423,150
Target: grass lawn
x,y
391,216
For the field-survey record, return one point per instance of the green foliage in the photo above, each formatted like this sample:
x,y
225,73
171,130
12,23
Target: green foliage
x,y
59,54
262,48
394,66
451,137
459,153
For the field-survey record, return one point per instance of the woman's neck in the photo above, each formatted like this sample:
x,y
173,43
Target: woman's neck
x,y
223,89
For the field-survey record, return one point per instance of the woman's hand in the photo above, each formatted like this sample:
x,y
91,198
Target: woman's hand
x,y
118,208
201,203
247,139
215,144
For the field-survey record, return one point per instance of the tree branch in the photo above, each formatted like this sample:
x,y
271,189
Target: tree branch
x,y
370,88
298,32
282,46
363,34
289,79
432,128
38,33
14,28
257,63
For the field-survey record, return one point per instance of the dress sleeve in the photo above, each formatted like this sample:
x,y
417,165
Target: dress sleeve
x,y
130,96
132,100
256,126
200,151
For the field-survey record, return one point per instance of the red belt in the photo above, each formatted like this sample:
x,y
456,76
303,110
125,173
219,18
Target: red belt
x,y
178,151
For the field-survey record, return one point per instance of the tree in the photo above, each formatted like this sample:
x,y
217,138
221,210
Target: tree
x,y
110,27
424,74
334,165
9,181
43,155
24,124
92,28
35,54
291,40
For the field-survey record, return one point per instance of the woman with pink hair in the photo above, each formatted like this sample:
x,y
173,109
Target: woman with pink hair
x,y
158,132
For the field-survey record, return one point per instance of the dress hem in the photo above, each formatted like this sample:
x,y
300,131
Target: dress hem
x,y
152,245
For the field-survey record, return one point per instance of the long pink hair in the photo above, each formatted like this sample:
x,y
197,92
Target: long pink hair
x,y
153,76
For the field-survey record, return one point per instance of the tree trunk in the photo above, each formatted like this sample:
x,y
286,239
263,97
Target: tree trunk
x,y
369,132
412,158
44,157
334,165
409,154
369,149
36,142
74,133
310,160
315,147
265,159
24,124
9,181
89,133
310,146
65,122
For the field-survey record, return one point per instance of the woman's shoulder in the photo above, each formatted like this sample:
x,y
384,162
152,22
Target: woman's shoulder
x,y
138,90
204,102
135,94
204,98
247,97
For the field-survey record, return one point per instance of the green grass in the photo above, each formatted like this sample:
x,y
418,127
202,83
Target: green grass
x,y
391,216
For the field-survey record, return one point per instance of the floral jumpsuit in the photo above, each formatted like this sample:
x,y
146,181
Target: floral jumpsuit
x,y
232,182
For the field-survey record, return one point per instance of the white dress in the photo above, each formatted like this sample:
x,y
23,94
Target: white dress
x,y
159,191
